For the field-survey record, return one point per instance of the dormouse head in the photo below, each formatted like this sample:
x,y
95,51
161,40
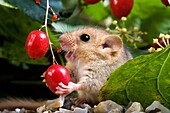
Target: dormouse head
x,y
90,44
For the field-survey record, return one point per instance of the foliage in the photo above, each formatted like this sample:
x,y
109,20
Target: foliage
x,y
13,37
143,79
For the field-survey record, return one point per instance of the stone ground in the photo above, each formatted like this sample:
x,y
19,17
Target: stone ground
x,y
107,106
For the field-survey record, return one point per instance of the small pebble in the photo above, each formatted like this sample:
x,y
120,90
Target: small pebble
x,y
107,106
135,106
40,109
5,111
17,110
156,107
45,112
80,110
115,111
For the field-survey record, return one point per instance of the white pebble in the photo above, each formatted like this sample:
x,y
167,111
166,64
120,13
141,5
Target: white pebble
x,y
17,110
157,105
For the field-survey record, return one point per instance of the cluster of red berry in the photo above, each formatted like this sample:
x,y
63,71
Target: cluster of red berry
x,y
37,44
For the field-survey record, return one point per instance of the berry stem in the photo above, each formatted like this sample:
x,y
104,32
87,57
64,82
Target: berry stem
x,y
167,41
160,45
52,10
46,28
163,39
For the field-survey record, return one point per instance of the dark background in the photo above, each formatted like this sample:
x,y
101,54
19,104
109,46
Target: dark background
x,y
17,82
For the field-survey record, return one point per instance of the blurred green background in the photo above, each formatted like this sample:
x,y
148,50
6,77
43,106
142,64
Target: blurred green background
x,y
20,75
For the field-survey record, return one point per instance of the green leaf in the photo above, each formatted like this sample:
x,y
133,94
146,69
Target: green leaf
x,y
163,79
63,27
97,12
144,8
2,2
144,79
14,31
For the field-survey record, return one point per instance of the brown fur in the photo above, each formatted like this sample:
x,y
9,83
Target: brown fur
x,y
90,63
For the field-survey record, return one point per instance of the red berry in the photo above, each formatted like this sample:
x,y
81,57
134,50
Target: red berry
x,y
91,1
37,1
56,74
54,17
37,44
121,8
165,2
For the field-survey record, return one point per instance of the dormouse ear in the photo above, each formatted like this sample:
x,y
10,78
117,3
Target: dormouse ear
x,y
112,41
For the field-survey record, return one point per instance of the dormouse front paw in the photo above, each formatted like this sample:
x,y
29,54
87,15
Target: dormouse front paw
x,y
67,89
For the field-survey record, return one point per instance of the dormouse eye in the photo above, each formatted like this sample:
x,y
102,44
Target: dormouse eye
x,y
85,37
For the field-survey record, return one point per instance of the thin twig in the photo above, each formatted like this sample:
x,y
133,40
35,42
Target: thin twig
x,y
46,28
